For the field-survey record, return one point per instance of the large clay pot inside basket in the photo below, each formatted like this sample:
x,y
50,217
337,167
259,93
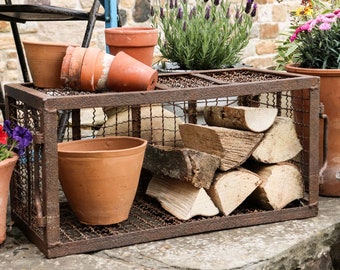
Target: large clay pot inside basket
x,y
100,177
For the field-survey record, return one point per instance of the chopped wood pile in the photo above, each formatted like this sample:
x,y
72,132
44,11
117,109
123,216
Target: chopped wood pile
x,y
243,153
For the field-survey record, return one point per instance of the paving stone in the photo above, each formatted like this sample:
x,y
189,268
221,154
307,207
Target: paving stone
x,y
297,244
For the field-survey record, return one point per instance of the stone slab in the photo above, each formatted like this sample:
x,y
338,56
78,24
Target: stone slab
x,y
303,244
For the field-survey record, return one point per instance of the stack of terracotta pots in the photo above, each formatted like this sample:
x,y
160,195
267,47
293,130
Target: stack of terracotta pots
x,y
55,65
92,69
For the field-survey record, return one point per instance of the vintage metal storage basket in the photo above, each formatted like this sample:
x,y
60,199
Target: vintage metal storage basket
x,y
38,205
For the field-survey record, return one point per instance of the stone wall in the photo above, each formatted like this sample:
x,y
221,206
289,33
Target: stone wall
x,y
272,18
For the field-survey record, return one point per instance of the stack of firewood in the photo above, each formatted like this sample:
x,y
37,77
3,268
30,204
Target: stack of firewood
x,y
242,152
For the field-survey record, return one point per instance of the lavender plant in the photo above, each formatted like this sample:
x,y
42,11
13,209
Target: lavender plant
x,y
206,34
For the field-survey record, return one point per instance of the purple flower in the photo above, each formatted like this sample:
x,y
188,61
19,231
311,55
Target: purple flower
x,y
18,137
180,13
237,14
216,2
8,129
162,16
228,13
253,12
192,12
171,4
207,13
152,11
23,137
184,26
248,6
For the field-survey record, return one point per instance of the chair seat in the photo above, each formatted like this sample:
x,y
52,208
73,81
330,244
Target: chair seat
x,y
23,13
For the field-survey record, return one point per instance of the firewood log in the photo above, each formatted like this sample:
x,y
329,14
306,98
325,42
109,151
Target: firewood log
x,y
231,145
281,184
183,164
181,199
231,188
240,117
280,142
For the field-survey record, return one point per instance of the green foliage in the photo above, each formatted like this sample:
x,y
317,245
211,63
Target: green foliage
x,y
203,36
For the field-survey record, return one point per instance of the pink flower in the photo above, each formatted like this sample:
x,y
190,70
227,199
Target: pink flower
x,y
325,26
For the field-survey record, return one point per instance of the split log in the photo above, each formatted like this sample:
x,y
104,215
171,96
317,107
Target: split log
x,y
183,164
231,188
231,145
181,199
280,142
240,117
281,184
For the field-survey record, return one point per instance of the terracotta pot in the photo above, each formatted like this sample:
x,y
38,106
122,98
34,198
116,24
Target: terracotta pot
x,y
85,68
100,177
137,42
329,97
128,74
6,170
44,61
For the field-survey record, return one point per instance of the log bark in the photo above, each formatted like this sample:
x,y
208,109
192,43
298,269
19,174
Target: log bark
x,y
281,184
231,145
181,199
240,117
183,164
231,188
280,142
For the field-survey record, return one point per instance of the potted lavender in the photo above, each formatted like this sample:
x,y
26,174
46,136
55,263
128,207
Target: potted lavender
x,y
205,34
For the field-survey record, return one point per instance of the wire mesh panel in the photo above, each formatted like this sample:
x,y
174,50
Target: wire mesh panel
x,y
38,204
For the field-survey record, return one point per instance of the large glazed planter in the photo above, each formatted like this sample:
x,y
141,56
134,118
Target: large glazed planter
x,y
138,42
329,97
100,177
44,61
6,170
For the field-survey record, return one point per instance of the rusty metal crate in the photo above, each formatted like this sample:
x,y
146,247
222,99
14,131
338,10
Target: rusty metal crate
x,y
38,205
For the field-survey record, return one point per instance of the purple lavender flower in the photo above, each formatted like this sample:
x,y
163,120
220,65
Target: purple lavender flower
x,y
176,4
180,13
228,13
237,14
216,2
162,16
171,4
207,13
253,12
248,6
152,11
184,26
192,13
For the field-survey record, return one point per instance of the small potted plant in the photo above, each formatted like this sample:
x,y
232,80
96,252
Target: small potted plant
x,y
205,34
13,142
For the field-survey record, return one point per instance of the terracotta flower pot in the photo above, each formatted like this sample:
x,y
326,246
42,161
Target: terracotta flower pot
x,y
6,170
137,42
100,177
128,74
85,68
329,97
44,61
